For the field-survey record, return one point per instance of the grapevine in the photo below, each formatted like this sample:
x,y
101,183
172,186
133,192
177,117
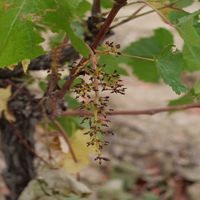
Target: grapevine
x,y
83,69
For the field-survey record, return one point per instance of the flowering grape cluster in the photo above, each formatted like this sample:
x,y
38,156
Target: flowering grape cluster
x,y
92,90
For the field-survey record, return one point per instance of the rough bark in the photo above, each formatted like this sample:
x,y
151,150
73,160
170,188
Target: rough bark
x,y
15,138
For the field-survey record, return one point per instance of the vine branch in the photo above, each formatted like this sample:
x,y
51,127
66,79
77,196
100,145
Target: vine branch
x,y
96,7
150,111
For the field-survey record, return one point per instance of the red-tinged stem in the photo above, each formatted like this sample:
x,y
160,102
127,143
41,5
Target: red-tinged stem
x,y
151,111
115,9
96,7
74,72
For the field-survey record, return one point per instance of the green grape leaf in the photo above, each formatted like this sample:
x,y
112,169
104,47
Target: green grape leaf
x,y
196,23
72,102
188,27
107,3
18,39
72,124
191,97
73,5
82,8
59,19
20,21
149,64
113,63
170,67
147,49
184,100
182,3
196,90
78,43
197,87
55,40
69,124
145,70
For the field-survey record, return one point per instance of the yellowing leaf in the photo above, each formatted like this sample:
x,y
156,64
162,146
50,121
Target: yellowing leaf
x,y
5,94
25,64
81,151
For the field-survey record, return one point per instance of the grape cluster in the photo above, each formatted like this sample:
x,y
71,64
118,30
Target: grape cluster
x,y
92,91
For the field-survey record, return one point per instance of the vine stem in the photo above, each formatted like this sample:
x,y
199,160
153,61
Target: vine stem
x,y
132,17
64,135
158,12
150,111
96,7
105,27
